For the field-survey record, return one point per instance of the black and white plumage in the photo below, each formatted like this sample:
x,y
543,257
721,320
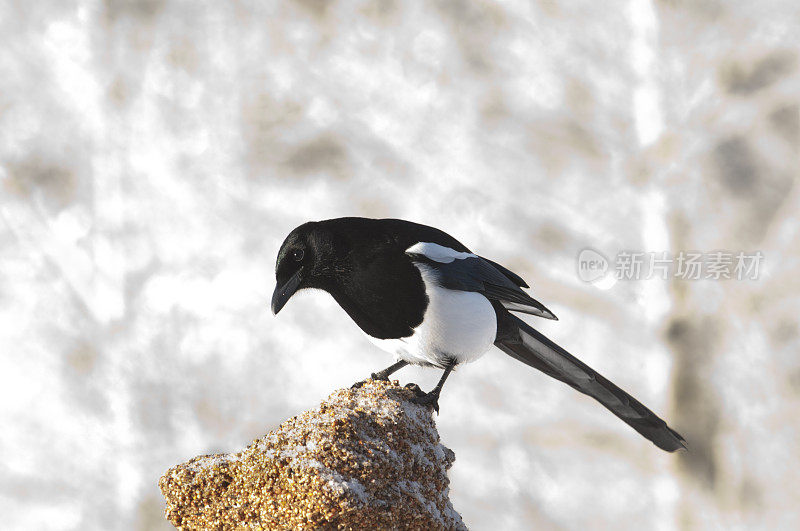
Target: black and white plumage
x,y
421,295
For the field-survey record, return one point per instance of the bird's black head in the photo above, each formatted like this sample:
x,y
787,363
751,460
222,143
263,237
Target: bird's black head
x,y
305,260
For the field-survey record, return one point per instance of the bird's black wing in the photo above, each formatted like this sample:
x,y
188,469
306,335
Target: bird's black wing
x,y
515,278
522,342
474,273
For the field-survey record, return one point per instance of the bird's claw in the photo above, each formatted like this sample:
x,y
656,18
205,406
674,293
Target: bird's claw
x,y
427,399
377,376
415,388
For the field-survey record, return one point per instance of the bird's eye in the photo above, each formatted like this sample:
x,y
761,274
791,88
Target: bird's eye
x,y
298,254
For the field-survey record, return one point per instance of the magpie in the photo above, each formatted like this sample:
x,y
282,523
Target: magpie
x,y
421,295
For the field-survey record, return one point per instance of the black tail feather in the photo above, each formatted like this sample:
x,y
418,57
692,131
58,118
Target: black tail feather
x,y
522,342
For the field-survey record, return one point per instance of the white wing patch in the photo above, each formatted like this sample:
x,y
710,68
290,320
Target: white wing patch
x,y
438,253
524,308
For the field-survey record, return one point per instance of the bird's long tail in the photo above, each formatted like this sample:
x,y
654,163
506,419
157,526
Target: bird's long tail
x,y
522,342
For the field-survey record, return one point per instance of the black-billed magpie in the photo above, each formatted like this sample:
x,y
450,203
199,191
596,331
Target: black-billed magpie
x,y
421,295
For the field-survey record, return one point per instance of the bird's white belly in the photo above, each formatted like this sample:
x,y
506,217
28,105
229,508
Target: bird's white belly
x,y
459,325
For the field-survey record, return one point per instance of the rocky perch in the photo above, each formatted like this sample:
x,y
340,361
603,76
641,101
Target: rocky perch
x,y
366,458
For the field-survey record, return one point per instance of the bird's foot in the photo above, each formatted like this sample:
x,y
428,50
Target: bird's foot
x,y
427,399
374,376
414,387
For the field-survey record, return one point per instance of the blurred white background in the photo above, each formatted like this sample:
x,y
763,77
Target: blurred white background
x,y
154,154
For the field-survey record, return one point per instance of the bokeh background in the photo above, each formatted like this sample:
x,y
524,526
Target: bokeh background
x,y
154,154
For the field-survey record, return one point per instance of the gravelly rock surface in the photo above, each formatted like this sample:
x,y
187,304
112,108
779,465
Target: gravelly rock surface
x,y
365,458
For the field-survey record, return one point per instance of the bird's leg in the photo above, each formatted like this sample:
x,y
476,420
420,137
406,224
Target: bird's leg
x,y
432,398
382,375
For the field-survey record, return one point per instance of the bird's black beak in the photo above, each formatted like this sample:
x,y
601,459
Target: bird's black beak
x,y
283,293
